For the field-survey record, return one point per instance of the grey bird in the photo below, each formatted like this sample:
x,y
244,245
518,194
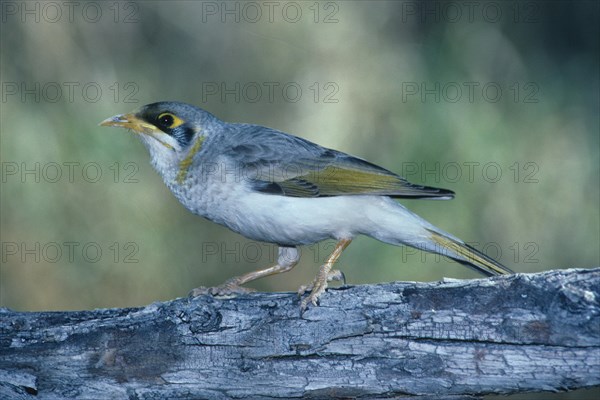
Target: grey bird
x,y
274,187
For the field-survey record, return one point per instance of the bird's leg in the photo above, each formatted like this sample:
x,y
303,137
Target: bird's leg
x,y
287,259
324,275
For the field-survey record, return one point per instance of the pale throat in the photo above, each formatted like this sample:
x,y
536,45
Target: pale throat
x,y
164,160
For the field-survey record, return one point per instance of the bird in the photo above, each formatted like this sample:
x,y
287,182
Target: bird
x,y
274,187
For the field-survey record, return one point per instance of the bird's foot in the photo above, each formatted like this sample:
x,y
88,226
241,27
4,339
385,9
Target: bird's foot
x,y
230,287
318,285
334,275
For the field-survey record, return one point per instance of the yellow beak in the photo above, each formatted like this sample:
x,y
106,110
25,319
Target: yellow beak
x,y
130,121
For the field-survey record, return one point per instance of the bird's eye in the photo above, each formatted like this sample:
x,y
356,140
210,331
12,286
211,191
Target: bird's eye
x,y
168,120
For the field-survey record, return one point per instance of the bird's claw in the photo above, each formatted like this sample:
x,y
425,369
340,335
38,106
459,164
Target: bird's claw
x,y
318,286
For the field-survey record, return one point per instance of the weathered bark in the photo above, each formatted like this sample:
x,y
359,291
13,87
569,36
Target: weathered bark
x,y
525,332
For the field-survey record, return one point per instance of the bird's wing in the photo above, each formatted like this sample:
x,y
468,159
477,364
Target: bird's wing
x,y
277,163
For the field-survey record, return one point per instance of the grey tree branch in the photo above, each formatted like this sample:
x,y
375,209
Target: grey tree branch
x,y
510,334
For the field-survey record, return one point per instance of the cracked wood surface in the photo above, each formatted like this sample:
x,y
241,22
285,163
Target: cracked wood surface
x,y
452,339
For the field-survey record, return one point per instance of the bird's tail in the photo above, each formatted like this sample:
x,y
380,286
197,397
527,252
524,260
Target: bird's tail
x,y
466,255
393,223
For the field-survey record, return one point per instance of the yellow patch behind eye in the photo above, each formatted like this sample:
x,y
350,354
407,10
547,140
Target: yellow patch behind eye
x,y
176,120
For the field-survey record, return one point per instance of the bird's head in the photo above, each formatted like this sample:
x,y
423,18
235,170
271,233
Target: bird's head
x,y
170,130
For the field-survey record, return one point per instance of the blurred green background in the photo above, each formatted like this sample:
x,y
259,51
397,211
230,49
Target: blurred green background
x,y
496,101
